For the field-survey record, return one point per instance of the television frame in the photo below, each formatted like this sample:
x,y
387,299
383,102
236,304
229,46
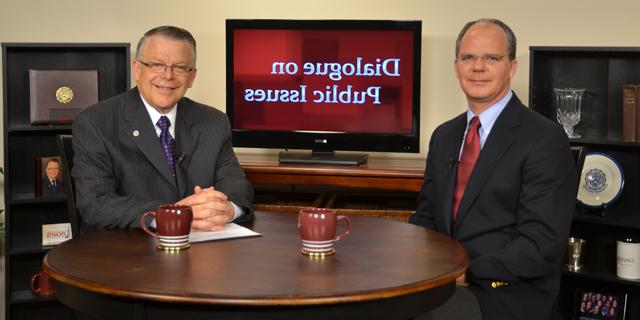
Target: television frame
x,y
325,143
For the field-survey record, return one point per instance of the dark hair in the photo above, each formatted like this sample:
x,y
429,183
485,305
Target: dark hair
x,y
171,32
52,160
511,37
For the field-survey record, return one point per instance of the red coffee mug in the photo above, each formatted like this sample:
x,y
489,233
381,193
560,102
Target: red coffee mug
x,y
318,230
42,284
173,223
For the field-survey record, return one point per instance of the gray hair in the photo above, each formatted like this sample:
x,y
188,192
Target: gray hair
x,y
170,32
511,37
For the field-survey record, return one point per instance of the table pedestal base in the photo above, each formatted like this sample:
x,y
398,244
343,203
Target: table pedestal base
x,y
103,306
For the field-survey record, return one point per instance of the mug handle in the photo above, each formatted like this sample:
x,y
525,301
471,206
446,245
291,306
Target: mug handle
x,y
346,231
144,227
34,279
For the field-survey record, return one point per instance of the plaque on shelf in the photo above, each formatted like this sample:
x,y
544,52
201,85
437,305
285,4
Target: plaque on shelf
x,y
57,96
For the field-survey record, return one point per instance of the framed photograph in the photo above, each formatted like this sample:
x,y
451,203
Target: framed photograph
x,y
596,305
49,181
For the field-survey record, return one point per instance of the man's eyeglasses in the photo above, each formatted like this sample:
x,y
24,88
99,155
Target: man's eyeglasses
x,y
489,59
161,67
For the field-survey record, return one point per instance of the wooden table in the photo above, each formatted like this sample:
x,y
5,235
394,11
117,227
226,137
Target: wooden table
x,y
377,173
384,269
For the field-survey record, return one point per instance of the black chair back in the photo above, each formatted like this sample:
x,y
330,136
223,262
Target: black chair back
x,y
66,154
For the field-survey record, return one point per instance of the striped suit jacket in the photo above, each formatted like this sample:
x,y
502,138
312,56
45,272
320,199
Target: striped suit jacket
x,y
120,169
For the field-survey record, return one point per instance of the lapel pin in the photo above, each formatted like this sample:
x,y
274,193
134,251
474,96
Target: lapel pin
x,y
136,133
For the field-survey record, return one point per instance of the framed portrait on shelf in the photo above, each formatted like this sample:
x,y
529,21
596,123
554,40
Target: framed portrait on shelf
x,y
598,305
49,181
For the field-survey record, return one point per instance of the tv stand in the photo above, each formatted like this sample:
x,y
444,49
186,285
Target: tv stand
x,y
383,187
326,158
377,173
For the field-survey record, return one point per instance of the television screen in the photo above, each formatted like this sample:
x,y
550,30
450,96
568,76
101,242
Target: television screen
x,y
324,85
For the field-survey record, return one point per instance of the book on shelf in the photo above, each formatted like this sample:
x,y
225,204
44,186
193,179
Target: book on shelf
x,y
57,96
630,112
638,113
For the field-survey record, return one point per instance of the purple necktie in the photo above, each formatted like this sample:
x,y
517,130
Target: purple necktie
x,y
168,144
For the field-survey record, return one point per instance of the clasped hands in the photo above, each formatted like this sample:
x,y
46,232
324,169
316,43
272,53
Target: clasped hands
x,y
211,209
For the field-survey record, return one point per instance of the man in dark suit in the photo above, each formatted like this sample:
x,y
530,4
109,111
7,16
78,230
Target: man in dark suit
x,y
500,179
51,185
151,146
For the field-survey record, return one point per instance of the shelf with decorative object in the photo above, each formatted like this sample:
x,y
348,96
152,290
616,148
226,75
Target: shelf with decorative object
x,y
25,142
611,206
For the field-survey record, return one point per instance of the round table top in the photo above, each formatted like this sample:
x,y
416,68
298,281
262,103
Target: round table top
x,y
379,259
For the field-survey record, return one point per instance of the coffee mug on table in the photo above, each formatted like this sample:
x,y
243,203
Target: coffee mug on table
x,y
317,228
173,223
42,284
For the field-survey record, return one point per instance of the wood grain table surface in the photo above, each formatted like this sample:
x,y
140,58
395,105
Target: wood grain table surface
x,y
380,261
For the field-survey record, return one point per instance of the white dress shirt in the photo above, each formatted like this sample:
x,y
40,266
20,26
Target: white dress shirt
x,y
155,116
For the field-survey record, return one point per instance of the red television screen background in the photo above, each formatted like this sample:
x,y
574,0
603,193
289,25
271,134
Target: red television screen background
x,y
323,80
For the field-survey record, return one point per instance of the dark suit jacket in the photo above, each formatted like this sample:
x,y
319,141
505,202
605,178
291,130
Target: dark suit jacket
x,y
49,189
120,169
515,214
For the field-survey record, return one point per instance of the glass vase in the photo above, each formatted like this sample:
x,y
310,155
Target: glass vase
x,y
569,108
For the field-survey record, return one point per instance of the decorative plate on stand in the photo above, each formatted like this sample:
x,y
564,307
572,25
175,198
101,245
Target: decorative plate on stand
x,y
601,181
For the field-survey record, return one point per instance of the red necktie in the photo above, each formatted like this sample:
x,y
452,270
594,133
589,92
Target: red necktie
x,y
468,158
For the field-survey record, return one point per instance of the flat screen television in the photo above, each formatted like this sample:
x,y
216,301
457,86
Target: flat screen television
x,y
324,85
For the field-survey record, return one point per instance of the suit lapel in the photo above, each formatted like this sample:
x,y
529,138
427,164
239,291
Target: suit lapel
x,y
497,143
186,140
138,120
453,144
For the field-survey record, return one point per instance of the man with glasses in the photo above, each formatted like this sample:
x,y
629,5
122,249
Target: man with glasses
x,y
51,185
151,146
501,180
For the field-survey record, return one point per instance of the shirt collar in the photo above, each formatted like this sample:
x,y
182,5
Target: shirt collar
x,y
489,116
155,115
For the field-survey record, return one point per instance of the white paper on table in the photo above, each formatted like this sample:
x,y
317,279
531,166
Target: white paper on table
x,y
231,230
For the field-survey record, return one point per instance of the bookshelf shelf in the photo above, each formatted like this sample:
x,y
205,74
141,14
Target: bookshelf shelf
x,y
602,71
23,143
